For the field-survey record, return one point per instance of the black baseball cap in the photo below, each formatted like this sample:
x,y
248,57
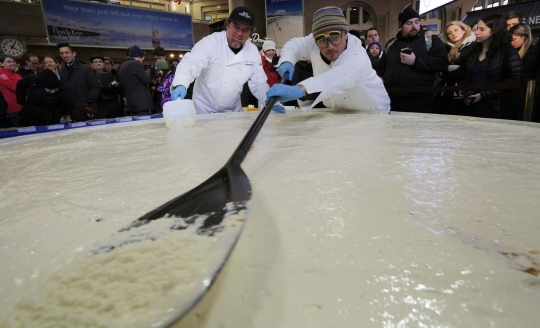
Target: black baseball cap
x,y
242,15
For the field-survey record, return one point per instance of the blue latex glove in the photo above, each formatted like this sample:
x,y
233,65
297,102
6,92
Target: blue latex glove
x,y
284,68
179,92
279,109
285,92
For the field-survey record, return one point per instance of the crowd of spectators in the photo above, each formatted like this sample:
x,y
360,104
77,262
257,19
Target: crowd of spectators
x,y
491,61
50,92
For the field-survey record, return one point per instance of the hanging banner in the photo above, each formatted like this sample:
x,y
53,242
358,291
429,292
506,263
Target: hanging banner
x,y
115,26
284,20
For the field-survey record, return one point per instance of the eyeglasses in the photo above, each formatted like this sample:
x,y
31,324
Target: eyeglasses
x,y
334,37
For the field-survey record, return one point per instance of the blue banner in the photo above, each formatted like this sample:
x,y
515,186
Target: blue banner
x,y
115,26
284,20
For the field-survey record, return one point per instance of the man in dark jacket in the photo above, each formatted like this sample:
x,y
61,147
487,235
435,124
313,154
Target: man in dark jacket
x,y
135,82
82,80
411,62
31,65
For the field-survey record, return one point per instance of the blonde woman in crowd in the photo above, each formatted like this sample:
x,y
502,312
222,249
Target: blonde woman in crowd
x,y
457,36
522,42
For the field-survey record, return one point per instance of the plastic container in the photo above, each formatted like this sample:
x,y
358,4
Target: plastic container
x,y
179,113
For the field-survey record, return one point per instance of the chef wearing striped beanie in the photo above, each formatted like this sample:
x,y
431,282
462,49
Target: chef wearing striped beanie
x,y
328,19
342,72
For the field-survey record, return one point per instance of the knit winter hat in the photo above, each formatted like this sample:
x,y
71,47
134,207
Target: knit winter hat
x,y
48,79
328,19
407,14
268,45
377,43
161,64
135,51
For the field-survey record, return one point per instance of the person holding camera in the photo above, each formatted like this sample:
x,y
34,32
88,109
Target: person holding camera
x,y
492,61
412,60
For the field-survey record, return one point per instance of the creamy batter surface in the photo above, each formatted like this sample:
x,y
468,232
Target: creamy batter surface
x,y
356,220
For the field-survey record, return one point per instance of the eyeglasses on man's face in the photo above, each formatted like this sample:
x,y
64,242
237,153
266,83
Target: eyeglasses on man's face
x,y
334,37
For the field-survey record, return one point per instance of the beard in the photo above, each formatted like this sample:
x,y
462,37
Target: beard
x,y
235,44
412,33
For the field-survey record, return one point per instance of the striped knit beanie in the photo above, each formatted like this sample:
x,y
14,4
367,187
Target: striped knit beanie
x,y
328,19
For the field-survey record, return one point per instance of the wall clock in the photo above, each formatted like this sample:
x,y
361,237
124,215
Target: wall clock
x,y
13,46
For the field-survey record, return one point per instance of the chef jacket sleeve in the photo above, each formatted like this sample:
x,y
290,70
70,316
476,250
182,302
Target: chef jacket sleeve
x,y
257,83
193,63
296,49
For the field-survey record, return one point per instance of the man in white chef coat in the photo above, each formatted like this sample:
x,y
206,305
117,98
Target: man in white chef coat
x,y
342,73
222,63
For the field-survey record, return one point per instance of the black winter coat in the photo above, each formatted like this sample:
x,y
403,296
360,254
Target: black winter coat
x,y
43,108
82,81
505,66
135,82
531,62
422,72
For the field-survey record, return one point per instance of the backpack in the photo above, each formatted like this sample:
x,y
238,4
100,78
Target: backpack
x,y
429,42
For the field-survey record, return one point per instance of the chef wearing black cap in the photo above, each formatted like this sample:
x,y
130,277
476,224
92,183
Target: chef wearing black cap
x,y
222,63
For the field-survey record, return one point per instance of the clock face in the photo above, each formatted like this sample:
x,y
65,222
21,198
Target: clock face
x,y
12,47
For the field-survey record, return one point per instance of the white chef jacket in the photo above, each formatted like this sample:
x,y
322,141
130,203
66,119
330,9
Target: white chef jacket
x,y
349,82
221,74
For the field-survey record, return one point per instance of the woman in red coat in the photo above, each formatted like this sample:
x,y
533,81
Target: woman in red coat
x,y
269,50
8,85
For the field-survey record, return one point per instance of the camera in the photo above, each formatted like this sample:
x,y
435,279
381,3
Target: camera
x,y
468,101
407,51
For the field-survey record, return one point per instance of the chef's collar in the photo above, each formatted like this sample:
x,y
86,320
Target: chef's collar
x,y
236,51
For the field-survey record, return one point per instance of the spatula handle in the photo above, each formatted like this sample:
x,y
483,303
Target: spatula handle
x,y
241,151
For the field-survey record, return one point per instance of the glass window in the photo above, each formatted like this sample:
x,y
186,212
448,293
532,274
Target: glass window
x,y
354,14
478,5
366,17
492,3
359,17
